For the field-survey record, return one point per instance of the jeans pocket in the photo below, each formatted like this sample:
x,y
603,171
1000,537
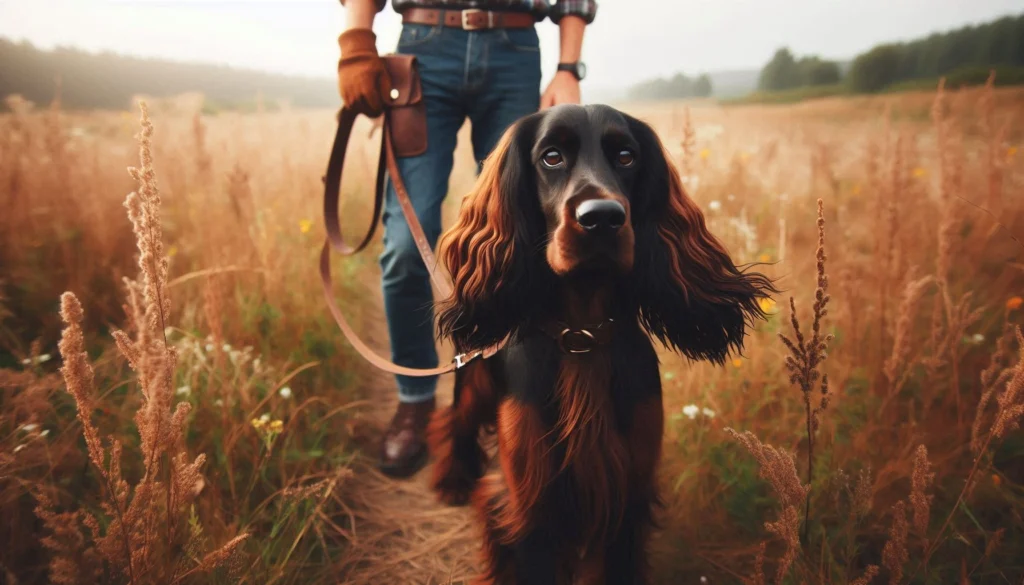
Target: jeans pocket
x,y
520,39
417,35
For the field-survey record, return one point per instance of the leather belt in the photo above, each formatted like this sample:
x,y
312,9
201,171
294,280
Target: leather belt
x,y
469,19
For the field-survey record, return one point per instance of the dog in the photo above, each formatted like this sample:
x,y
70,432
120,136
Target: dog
x,y
580,247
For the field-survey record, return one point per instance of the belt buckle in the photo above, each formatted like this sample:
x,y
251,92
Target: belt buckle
x,y
471,11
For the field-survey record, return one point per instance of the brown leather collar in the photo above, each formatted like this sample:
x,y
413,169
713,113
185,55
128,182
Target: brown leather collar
x,y
579,339
470,19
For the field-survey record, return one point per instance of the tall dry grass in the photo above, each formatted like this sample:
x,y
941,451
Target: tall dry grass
x,y
146,534
906,469
908,382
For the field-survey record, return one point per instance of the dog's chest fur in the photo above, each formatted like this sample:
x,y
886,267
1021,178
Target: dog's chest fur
x,y
586,403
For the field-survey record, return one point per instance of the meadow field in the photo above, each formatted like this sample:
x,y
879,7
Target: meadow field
x,y
190,413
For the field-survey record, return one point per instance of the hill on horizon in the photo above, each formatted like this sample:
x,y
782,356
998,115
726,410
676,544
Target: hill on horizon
x,y
108,80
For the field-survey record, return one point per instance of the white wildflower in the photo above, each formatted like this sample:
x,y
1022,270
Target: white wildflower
x,y
36,360
977,338
708,412
691,182
285,392
715,205
44,432
265,417
746,230
691,410
209,347
30,427
218,402
226,347
183,390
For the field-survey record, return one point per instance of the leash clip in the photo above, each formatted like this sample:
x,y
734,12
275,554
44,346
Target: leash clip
x,y
461,359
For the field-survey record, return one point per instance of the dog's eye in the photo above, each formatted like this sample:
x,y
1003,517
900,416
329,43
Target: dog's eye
x,y
625,157
552,158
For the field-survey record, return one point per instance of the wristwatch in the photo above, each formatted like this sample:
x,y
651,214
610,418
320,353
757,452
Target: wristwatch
x,y
578,69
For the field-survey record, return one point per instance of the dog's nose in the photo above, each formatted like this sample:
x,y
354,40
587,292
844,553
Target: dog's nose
x,y
598,214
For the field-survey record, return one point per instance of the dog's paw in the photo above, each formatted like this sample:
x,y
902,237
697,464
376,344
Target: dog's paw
x,y
455,477
455,496
459,460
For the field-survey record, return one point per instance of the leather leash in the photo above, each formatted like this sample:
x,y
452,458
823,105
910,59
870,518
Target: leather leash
x,y
335,240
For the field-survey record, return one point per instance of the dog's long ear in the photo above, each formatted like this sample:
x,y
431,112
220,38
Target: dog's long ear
x,y
488,250
690,294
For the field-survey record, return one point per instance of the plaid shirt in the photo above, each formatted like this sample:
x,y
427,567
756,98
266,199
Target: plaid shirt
x,y
553,9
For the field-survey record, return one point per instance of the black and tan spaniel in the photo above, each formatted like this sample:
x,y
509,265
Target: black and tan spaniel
x,y
580,246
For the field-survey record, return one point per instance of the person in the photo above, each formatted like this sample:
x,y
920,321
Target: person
x,y
478,59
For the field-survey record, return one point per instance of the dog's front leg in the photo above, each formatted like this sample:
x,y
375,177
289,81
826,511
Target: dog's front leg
x,y
626,555
454,434
519,545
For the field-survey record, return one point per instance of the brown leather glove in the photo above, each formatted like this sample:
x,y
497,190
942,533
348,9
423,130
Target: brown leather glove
x,y
362,79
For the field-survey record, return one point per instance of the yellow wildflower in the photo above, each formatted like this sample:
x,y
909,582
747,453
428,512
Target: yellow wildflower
x,y
305,225
767,305
276,426
919,172
1011,152
172,251
1014,303
764,258
737,362
704,154
257,423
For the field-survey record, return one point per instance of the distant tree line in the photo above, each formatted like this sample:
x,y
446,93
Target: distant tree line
x,y
677,87
965,54
993,44
108,81
784,71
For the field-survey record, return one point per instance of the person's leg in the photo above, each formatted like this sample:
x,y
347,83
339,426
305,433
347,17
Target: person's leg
x,y
408,297
507,86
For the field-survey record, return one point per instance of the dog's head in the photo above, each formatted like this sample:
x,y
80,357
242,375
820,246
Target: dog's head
x,y
590,192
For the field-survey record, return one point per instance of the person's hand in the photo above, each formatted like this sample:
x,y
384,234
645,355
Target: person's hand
x,y
563,89
362,79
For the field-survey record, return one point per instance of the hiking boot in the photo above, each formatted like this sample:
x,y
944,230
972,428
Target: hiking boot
x,y
404,448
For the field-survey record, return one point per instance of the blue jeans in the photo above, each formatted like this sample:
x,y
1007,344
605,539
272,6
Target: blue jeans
x,y
490,76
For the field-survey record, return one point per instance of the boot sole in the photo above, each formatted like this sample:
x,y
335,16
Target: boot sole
x,y
406,470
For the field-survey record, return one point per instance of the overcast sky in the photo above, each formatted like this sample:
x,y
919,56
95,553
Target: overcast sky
x,y
631,40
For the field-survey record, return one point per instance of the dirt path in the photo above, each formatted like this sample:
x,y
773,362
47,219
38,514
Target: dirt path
x,y
401,535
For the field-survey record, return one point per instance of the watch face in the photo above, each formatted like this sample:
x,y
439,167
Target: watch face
x,y
581,70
